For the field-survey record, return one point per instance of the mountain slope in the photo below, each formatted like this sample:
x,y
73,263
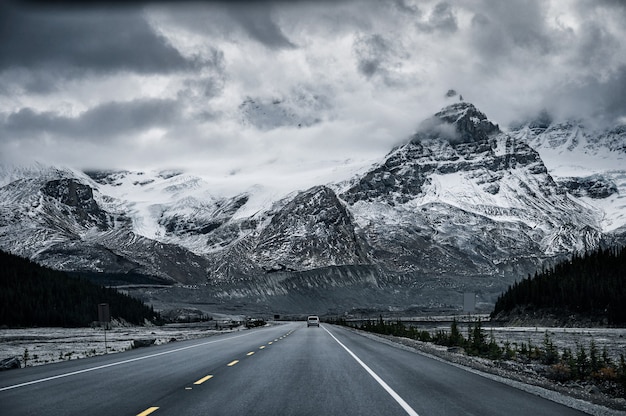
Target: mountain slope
x,y
588,162
489,187
56,217
462,206
313,230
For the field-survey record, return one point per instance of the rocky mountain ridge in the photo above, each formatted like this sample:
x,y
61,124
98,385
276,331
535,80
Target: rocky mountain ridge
x,y
588,162
462,206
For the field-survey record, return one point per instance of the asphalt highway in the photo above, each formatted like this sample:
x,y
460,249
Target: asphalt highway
x,y
285,369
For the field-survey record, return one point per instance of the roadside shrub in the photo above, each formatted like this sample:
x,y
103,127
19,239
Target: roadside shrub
x,y
476,340
494,352
529,352
559,372
441,338
456,338
424,336
550,353
595,361
509,353
605,373
583,367
579,364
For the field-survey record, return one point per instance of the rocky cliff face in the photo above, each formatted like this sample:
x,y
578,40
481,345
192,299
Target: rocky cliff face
x,y
594,186
498,181
57,218
470,125
77,197
313,230
588,162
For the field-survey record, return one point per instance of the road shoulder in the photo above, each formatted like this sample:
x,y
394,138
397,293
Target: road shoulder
x,y
579,399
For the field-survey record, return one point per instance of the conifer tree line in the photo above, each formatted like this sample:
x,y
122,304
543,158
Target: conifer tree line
x,y
592,284
33,295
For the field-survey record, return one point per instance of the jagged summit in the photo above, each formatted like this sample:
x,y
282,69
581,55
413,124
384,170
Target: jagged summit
x,y
315,229
460,122
588,161
470,123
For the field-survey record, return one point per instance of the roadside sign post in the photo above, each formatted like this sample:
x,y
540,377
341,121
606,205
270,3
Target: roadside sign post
x,y
469,302
104,316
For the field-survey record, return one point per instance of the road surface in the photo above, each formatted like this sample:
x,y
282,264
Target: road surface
x,y
286,369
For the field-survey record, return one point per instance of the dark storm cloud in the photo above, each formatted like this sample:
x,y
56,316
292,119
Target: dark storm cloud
x,y
596,45
106,121
407,8
615,94
75,40
202,88
372,52
442,18
379,68
499,28
257,21
601,102
380,58
41,82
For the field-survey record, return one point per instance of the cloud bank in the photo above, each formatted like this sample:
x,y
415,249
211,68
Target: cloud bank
x,y
252,92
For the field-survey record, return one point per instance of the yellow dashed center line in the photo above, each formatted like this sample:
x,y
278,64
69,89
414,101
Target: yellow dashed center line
x,y
203,379
148,411
206,378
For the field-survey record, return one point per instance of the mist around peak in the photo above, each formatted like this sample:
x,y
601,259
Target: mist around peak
x,y
460,122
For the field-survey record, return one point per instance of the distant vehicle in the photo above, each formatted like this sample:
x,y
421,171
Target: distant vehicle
x,y
312,321
254,322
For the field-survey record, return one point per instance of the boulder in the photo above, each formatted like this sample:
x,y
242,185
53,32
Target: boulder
x,y
139,343
10,363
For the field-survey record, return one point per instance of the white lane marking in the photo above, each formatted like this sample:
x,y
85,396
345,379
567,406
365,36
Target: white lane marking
x,y
100,367
380,381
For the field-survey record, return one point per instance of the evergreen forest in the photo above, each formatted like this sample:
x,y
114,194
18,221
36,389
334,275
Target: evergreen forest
x,y
33,295
591,285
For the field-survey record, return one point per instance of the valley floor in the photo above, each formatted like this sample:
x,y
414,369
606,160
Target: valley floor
x,y
37,346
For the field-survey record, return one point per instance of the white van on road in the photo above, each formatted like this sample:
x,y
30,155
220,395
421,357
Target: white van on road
x,y
312,321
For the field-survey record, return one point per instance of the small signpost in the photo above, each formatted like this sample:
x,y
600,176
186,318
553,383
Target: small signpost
x,y
104,316
469,302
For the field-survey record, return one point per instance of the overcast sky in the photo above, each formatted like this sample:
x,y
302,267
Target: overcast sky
x,y
263,91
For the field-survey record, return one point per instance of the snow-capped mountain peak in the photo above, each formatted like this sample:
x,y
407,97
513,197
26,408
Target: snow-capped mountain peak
x,y
459,122
588,162
461,206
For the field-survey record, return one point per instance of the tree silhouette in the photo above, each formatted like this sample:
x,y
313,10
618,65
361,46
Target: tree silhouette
x,y
33,295
593,285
